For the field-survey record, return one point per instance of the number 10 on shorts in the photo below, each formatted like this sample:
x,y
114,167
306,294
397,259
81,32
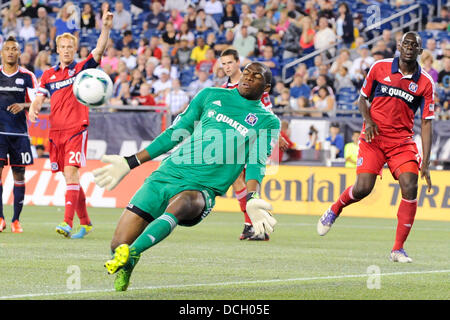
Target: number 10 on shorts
x,y
26,157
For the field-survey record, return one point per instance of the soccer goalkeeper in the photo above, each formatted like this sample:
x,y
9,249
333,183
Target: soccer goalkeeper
x,y
223,131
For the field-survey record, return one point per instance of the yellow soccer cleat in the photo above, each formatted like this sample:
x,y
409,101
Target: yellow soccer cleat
x,y
121,256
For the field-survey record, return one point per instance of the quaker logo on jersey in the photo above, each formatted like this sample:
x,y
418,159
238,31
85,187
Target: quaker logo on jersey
x,y
413,87
61,84
54,166
395,92
251,119
211,114
20,81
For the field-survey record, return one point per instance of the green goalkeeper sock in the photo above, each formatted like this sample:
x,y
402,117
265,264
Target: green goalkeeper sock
x,y
156,231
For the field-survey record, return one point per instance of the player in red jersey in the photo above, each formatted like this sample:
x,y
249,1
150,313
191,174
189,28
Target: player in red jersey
x,y
229,60
396,88
69,120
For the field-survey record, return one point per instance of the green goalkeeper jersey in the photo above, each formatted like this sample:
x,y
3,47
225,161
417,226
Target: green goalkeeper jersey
x,y
218,134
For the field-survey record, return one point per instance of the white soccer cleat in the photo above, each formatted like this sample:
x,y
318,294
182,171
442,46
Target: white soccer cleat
x,y
400,256
325,222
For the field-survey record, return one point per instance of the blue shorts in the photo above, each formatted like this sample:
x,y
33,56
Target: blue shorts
x,y
18,148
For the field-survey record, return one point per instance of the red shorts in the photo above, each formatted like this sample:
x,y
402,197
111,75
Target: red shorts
x,y
68,148
372,156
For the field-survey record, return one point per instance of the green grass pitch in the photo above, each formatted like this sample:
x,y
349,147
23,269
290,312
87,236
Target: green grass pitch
x,y
208,262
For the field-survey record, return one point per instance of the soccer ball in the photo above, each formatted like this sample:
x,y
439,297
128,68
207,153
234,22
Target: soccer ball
x,y
92,87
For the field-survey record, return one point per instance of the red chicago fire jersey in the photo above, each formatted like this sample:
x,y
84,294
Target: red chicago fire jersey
x,y
65,110
265,99
395,98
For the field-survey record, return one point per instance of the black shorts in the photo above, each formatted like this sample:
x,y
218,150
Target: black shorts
x,y
18,148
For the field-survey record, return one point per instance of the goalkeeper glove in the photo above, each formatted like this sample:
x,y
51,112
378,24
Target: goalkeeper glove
x,y
258,211
109,176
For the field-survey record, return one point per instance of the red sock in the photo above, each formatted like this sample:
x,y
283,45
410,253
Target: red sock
x,y
241,196
81,208
72,192
345,199
405,217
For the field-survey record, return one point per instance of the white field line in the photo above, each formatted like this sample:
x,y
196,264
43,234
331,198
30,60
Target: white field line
x,y
219,284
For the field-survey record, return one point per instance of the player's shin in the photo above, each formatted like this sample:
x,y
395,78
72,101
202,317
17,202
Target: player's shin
x,y
72,192
19,196
81,209
156,231
405,219
345,199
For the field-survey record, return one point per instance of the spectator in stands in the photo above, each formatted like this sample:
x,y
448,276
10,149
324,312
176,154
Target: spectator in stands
x,y
342,60
148,71
40,151
156,18
326,10
261,22
302,70
162,85
204,22
144,98
128,58
122,78
325,37
87,19
444,75
98,16
230,19
279,87
203,81
166,64
313,72
26,62
219,77
426,60
191,18
126,41
299,88
351,151
213,7
282,102
344,25
359,41
380,46
431,46
312,138
110,59
41,63
294,10
154,47
440,23
247,22
141,60
15,7
44,22
143,43
279,29
182,56
32,10
322,81
271,61
66,21
137,7
246,12
122,18
124,97
290,41
135,83
199,51
343,79
244,43
176,98
186,34
169,35
262,40
324,103
176,18
285,132
361,64
390,43
43,42
307,36
377,55
336,140
180,5
27,31
208,63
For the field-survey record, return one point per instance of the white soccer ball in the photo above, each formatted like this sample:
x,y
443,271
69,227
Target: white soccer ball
x,y
92,87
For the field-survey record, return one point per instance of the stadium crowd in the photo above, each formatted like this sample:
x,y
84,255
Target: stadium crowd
x,y
163,52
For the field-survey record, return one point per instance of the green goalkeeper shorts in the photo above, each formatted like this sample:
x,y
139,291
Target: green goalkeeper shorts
x,y
152,198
